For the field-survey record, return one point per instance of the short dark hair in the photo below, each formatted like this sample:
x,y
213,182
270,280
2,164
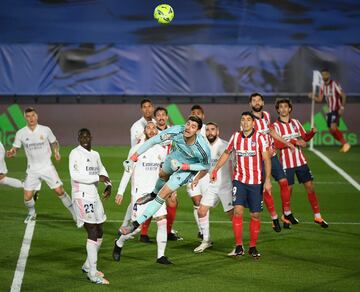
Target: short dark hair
x,y
160,108
196,120
256,94
213,124
325,70
145,100
283,100
29,110
197,107
247,113
83,130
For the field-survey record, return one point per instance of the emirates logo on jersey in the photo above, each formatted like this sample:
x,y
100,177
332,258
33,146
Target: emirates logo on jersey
x,y
246,153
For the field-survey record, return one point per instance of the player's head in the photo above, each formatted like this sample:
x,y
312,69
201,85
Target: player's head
x,y
84,138
192,126
212,131
197,110
161,117
247,121
256,101
325,73
150,130
31,116
283,106
147,108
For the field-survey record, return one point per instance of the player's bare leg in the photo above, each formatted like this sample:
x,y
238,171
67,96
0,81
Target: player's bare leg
x,y
65,199
30,204
309,187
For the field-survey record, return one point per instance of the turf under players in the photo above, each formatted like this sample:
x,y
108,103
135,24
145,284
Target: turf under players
x,y
144,174
86,171
294,162
190,154
335,98
251,148
36,140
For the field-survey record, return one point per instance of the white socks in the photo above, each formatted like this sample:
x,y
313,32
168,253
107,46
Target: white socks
x,y
31,206
92,253
127,217
65,199
161,237
12,182
121,241
196,216
205,226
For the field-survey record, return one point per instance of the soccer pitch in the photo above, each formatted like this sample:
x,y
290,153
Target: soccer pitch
x,y
306,257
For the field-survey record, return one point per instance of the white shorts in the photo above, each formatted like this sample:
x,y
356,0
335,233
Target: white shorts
x,y
213,195
201,187
137,210
3,168
88,211
49,175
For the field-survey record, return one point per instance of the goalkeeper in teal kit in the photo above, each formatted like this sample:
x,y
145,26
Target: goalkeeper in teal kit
x,y
189,155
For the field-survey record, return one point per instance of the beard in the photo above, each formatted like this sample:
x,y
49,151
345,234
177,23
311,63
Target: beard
x,y
211,138
257,109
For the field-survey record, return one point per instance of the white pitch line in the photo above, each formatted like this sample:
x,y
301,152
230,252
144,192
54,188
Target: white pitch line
x,y
24,253
340,171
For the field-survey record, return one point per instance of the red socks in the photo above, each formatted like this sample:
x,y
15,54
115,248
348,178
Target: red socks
x,y
338,135
285,194
171,213
254,231
145,227
237,224
313,202
269,203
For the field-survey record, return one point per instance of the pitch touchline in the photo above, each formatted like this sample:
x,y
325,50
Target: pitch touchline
x,y
340,171
24,253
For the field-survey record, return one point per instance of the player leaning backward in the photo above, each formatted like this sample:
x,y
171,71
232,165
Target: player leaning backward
x,y
190,155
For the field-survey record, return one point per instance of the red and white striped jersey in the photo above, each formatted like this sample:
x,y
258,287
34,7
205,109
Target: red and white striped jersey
x,y
262,125
248,156
332,91
291,130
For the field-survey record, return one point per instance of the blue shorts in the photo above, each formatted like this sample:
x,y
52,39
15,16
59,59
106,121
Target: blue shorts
x,y
177,178
332,117
249,196
277,171
303,174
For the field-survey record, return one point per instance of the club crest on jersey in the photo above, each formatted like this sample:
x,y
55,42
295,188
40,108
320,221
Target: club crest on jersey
x,y
41,137
253,143
164,137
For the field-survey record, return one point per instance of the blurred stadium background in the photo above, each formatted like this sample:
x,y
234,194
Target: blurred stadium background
x,y
88,63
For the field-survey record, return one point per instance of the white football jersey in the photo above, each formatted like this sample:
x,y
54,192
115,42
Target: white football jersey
x,y
3,168
85,168
224,175
145,172
36,145
137,131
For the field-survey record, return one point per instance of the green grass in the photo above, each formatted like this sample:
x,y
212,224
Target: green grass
x,y
304,258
